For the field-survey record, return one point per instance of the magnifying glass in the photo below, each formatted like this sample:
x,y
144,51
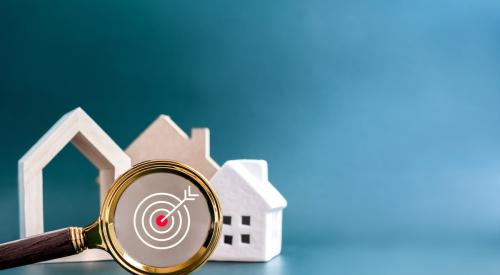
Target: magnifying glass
x,y
159,217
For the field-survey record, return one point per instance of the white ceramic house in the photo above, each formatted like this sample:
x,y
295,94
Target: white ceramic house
x,y
163,139
78,128
252,212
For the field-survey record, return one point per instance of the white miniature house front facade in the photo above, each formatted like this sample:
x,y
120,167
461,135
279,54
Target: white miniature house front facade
x,y
252,212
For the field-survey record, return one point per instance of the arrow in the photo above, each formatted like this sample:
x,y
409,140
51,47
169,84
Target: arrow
x,y
188,196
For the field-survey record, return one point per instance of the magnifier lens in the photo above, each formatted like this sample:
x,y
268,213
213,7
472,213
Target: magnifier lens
x,y
162,219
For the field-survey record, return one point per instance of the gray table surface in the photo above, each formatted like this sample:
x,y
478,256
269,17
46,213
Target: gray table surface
x,y
334,258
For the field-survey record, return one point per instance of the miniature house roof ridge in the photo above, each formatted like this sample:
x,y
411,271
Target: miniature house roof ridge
x,y
200,137
164,139
200,133
76,126
171,123
266,191
258,168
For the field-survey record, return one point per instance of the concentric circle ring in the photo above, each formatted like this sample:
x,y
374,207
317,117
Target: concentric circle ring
x,y
149,235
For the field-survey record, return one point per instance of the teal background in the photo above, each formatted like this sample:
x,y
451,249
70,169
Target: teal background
x,y
380,120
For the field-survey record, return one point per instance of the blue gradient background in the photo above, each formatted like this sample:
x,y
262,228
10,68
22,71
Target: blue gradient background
x,y
380,120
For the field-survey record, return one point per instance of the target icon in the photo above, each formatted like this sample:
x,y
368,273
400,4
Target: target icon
x,y
162,220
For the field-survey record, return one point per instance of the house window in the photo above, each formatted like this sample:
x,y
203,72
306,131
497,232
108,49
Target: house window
x,y
245,220
226,220
245,238
228,239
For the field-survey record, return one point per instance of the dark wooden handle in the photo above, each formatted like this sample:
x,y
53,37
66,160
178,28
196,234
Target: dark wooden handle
x,y
47,246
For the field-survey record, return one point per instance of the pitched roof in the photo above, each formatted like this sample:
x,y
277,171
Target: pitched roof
x,y
78,128
164,139
254,173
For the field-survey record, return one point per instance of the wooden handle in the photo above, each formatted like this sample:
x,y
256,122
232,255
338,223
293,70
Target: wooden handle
x,y
47,246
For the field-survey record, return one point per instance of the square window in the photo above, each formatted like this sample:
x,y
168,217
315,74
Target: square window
x,y
245,238
245,220
228,239
226,220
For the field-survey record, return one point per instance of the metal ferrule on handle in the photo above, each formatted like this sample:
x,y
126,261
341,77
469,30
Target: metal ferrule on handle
x,y
78,238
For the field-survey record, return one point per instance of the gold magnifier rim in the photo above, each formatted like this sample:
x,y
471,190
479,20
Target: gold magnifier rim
x,y
106,217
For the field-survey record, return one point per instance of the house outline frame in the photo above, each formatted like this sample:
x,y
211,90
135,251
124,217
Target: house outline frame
x,y
78,128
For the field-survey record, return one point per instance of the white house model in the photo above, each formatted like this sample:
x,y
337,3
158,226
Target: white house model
x,y
78,128
252,212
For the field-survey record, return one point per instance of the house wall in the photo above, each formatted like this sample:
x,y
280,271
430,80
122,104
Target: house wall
x,y
237,250
274,221
238,199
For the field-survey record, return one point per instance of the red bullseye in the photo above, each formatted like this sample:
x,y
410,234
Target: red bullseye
x,y
159,221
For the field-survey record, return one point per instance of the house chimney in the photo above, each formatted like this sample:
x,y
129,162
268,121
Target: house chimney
x,y
258,168
200,137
